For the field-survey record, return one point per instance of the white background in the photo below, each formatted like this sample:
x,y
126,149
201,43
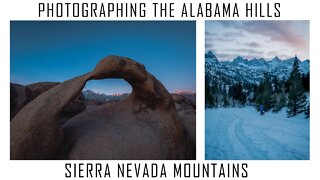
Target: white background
x,y
290,10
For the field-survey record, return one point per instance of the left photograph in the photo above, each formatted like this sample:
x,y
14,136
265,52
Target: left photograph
x,y
102,90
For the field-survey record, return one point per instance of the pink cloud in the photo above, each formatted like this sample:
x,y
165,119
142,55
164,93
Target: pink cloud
x,y
277,31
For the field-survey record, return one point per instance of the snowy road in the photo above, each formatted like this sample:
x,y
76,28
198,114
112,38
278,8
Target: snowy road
x,y
242,133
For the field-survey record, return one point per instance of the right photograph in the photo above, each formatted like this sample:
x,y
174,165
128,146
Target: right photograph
x,y
257,90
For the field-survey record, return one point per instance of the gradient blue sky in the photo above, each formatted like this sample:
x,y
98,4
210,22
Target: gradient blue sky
x,y
59,50
257,39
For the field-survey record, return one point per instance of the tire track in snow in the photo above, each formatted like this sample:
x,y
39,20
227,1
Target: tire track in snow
x,y
255,151
262,146
241,150
239,136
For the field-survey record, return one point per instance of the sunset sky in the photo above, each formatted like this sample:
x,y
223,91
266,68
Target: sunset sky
x,y
60,50
257,39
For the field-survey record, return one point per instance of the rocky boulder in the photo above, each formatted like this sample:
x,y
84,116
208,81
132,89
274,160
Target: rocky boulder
x,y
21,95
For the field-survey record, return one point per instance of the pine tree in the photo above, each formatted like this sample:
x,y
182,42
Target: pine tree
x,y
225,97
210,102
209,92
296,96
280,103
236,92
306,82
264,93
307,112
281,96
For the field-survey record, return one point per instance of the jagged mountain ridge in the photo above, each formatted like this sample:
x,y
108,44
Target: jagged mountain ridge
x,y
91,95
103,98
251,71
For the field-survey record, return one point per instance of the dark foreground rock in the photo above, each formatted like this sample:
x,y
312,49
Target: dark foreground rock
x,y
21,95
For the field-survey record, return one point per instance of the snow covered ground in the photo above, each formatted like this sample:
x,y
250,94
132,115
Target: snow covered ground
x,y
242,133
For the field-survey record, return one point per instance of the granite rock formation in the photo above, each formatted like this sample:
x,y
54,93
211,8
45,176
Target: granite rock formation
x,y
145,125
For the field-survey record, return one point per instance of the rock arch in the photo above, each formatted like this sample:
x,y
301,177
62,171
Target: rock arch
x,y
143,126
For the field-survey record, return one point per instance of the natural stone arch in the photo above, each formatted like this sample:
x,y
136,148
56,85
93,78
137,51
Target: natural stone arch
x,y
36,132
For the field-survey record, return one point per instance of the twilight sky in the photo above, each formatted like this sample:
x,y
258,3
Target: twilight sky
x,y
257,39
60,50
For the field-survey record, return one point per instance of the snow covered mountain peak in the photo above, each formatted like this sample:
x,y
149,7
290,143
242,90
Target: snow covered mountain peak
x,y
244,70
211,58
240,60
210,54
276,59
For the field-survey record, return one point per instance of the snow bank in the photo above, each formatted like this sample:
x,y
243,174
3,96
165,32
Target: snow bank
x,y
242,133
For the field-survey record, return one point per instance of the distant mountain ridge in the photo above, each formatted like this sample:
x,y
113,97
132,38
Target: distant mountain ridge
x,y
102,98
182,92
244,70
99,98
